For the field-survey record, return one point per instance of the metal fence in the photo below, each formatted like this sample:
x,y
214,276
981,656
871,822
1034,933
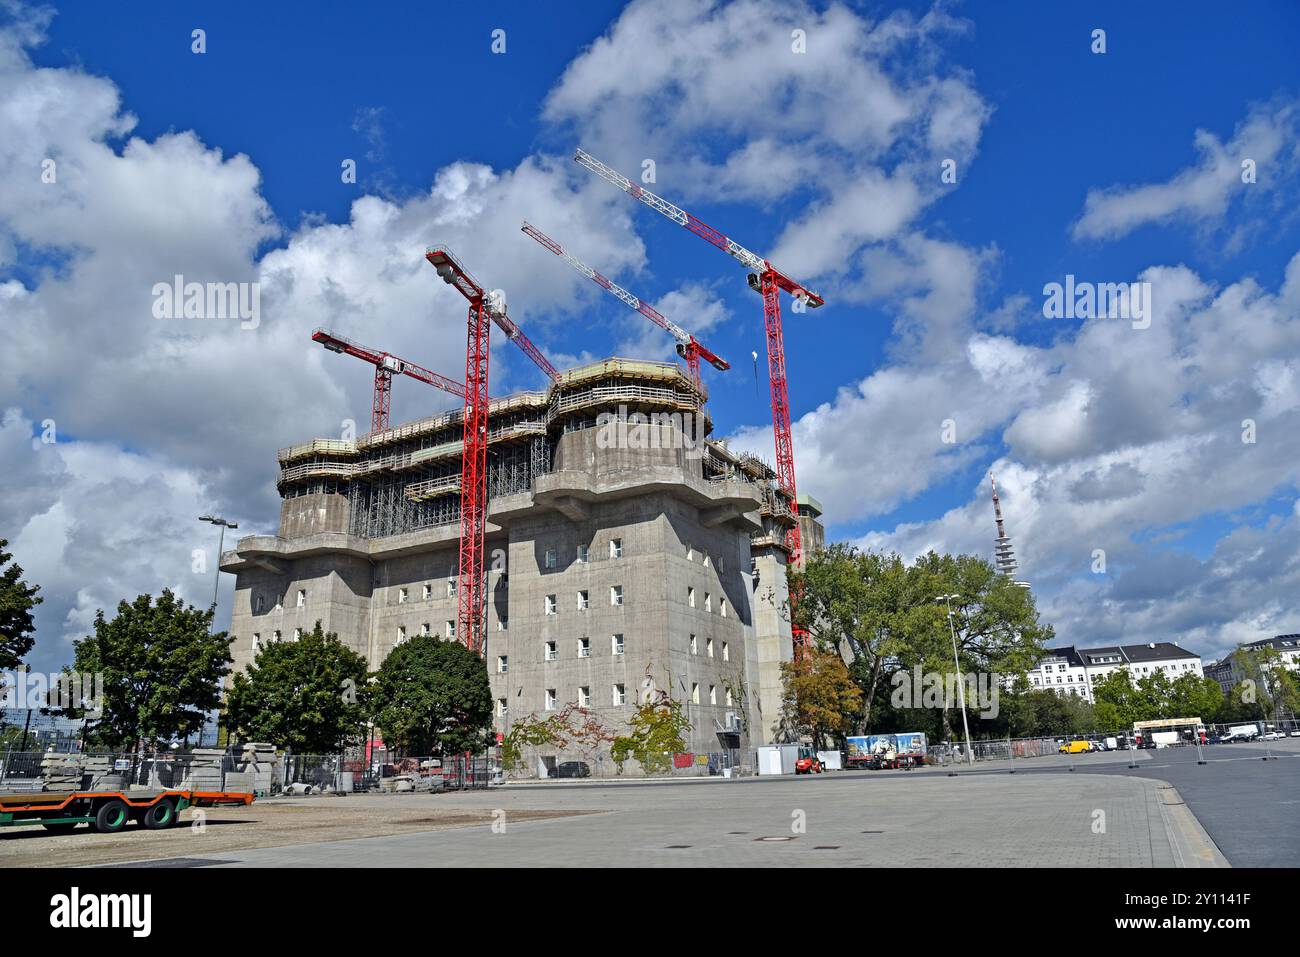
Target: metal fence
x,y
385,771
237,769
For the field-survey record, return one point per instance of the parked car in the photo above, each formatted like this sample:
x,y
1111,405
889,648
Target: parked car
x,y
573,769
1296,733
1274,736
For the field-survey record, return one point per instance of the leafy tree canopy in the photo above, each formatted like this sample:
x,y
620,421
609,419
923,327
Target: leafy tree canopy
x,y
162,671
17,599
431,697
820,696
306,695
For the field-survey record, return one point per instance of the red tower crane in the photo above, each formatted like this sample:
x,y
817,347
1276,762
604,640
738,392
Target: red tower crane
x,y
386,366
769,282
483,306
688,347
473,462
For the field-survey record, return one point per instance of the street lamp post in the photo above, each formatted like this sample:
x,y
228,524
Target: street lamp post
x,y
215,520
961,687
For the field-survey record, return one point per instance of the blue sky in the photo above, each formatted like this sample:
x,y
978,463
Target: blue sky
x,y
1041,127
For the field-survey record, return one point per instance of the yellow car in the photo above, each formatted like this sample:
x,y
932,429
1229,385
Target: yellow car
x,y
1075,747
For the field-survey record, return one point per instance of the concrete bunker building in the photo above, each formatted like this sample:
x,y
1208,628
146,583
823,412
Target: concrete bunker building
x,y
626,551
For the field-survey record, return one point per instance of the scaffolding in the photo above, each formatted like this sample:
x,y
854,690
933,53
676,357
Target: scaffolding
x,y
407,478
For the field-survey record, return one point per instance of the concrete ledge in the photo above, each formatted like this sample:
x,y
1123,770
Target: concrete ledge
x,y
1189,844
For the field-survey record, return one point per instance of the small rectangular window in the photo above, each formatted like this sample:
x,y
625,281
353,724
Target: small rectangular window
x,y
257,642
551,653
550,699
259,602
616,644
694,645
450,630
713,694
582,555
620,696
708,647
426,629
428,592
726,653
695,693
451,587
584,697
722,606
690,597
582,601
302,597
550,604
708,602
401,634
728,697
503,665
690,554
550,558
616,548
503,709
616,595
584,647
401,596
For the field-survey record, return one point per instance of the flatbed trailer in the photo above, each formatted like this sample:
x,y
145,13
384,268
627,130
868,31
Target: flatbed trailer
x,y
108,811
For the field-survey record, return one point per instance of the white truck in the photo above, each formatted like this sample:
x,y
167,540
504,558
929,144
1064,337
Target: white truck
x,y
1241,732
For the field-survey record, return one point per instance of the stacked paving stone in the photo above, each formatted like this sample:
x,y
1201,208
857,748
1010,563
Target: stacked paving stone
x,y
206,767
241,782
61,772
97,773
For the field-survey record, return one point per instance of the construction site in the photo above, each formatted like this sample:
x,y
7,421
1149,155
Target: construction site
x,y
594,542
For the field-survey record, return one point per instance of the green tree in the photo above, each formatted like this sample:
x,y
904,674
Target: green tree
x,y
17,599
820,697
306,695
867,608
656,731
1195,696
1119,702
993,620
162,671
431,697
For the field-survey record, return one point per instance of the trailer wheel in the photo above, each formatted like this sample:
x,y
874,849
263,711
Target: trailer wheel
x,y
159,816
59,827
111,816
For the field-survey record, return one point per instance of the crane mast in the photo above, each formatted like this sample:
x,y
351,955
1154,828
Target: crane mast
x,y
485,308
470,585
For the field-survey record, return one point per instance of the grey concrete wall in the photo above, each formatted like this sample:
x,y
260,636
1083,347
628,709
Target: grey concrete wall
x,y
678,533
309,514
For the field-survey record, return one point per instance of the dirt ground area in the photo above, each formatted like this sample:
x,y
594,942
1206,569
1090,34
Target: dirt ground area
x,y
275,822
